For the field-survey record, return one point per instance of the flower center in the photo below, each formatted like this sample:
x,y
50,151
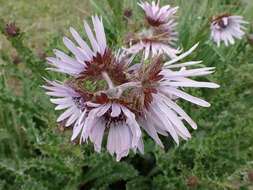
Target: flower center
x,y
112,121
223,23
104,63
154,22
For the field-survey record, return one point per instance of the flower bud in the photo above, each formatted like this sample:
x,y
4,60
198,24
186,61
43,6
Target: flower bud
x,y
12,30
128,13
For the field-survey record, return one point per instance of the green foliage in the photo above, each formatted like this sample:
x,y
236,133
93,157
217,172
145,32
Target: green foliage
x,y
36,154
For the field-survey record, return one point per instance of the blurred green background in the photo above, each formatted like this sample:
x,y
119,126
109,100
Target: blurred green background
x,y
36,152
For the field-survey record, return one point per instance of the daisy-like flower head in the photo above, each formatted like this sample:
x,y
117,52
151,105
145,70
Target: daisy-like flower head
x,y
227,28
88,62
92,112
160,36
83,53
91,119
108,115
156,15
122,97
65,97
161,86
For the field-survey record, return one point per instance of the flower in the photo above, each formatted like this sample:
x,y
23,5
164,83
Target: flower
x,y
92,114
227,28
84,112
107,95
90,63
161,87
66,98
124,132
160,35
83,53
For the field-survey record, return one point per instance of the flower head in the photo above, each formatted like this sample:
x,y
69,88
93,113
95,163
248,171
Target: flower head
x,y
90,62
161,86
160,36
92,112
227,28
83,53
123,130
66,98
107,95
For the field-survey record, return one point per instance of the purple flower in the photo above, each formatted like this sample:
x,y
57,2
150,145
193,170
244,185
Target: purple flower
x,y
83,53
162,86
88,117
107,95
227,28
66,98
160,36
123,130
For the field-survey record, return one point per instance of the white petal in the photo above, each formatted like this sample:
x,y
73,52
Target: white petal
x,y
77,127
82,43
188,97
66,114
182,55
91,37
103,109
115,110
96,135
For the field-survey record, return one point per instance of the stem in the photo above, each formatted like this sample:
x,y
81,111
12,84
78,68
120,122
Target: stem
x,y
117,91
108,80
128,85
142,59
121,88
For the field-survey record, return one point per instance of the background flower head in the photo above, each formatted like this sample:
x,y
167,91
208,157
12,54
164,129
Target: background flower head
x,y
162,85
37,154
159,36
123,130
227,28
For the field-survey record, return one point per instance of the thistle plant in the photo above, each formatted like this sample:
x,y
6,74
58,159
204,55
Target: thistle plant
x,y
138,104
135,95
